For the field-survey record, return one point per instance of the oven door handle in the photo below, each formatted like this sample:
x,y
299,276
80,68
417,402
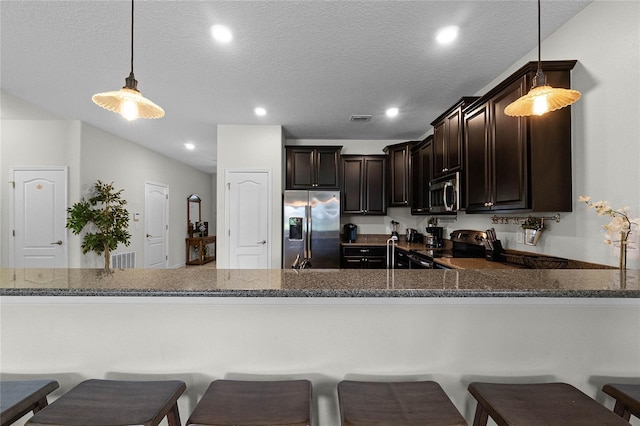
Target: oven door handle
x,y
425,263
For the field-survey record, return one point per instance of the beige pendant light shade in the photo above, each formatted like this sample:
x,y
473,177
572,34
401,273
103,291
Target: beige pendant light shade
x,y
542,98
128,101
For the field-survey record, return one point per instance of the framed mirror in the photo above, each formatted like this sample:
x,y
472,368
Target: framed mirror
x,y
193,209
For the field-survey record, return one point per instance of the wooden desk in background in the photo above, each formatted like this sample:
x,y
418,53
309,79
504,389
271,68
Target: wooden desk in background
x,y
205,254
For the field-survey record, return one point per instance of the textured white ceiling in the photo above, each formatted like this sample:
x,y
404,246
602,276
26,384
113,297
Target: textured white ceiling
x,y
311,64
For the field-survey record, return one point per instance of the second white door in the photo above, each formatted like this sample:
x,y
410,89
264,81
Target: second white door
x,y
156,224
249,216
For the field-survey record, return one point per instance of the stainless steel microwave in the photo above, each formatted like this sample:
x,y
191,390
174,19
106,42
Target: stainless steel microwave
x,y
444,194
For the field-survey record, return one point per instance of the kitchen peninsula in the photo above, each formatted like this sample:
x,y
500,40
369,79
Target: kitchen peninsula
x,y
324,283
197,325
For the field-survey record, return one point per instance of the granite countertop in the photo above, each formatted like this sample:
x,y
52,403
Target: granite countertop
x,y
349,283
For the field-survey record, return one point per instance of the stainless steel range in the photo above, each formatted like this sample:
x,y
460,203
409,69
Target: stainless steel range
x,y
465,243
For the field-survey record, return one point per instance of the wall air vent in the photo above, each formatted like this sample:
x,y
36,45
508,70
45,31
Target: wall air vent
x,y
360,117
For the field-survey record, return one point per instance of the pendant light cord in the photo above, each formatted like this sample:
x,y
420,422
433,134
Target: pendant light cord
x,y
132,36
539,42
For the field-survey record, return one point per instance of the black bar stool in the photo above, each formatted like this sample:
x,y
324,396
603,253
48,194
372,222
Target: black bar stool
x,y
396,403
114,403
627,399
244,402
19,397
539,404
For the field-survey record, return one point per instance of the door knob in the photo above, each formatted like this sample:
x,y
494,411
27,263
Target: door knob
x,y
59,242
149,236
262,242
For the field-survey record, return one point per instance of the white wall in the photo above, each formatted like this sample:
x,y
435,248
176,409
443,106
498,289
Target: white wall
x,y
112,159
34,137
251,147
198,340
31,136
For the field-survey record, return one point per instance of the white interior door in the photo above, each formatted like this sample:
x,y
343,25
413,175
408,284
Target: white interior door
x,y
249,216
156,225
38,218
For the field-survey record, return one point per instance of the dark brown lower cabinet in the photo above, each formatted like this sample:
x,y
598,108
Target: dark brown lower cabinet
x,y
364,257
364,184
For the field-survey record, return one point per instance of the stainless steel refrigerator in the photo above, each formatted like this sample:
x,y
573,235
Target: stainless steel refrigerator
x,y
311,229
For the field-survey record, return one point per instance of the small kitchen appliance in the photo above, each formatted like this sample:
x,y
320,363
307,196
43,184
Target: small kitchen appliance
x,y
413,236
465,243
444,194
349,233
394,228
434,237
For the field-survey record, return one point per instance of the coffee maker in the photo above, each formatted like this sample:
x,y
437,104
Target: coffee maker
x,y
434,237
349,233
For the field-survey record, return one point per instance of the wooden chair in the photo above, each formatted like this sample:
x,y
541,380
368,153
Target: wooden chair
x,y
396,403
114,402
539,404
240,402
17,398
627,399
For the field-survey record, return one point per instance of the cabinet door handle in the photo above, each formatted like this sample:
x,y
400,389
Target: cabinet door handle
x,y
262,242
364,251
59,242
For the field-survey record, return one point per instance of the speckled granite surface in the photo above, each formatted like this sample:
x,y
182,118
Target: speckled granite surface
x,y
201,282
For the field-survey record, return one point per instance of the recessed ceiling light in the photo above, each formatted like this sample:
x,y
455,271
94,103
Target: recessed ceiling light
x,y
260,111
221,33
392,112
447,34
189,146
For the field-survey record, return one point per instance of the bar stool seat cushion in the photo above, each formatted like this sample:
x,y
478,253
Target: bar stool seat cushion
x,y
627,399
113,403
539,404
245,402
396,403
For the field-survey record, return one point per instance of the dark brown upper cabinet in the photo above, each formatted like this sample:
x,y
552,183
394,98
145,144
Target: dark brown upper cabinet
x,y
364,184
399,175
448,140
518,163
313,167
420,170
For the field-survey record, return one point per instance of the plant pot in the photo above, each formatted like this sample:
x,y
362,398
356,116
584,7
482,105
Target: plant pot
x,y
531,236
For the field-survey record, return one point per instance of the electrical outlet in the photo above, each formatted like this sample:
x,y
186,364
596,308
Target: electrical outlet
x,y
519,238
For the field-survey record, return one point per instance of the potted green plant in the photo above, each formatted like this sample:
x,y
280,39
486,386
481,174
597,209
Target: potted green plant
x,y
105,218
533,227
